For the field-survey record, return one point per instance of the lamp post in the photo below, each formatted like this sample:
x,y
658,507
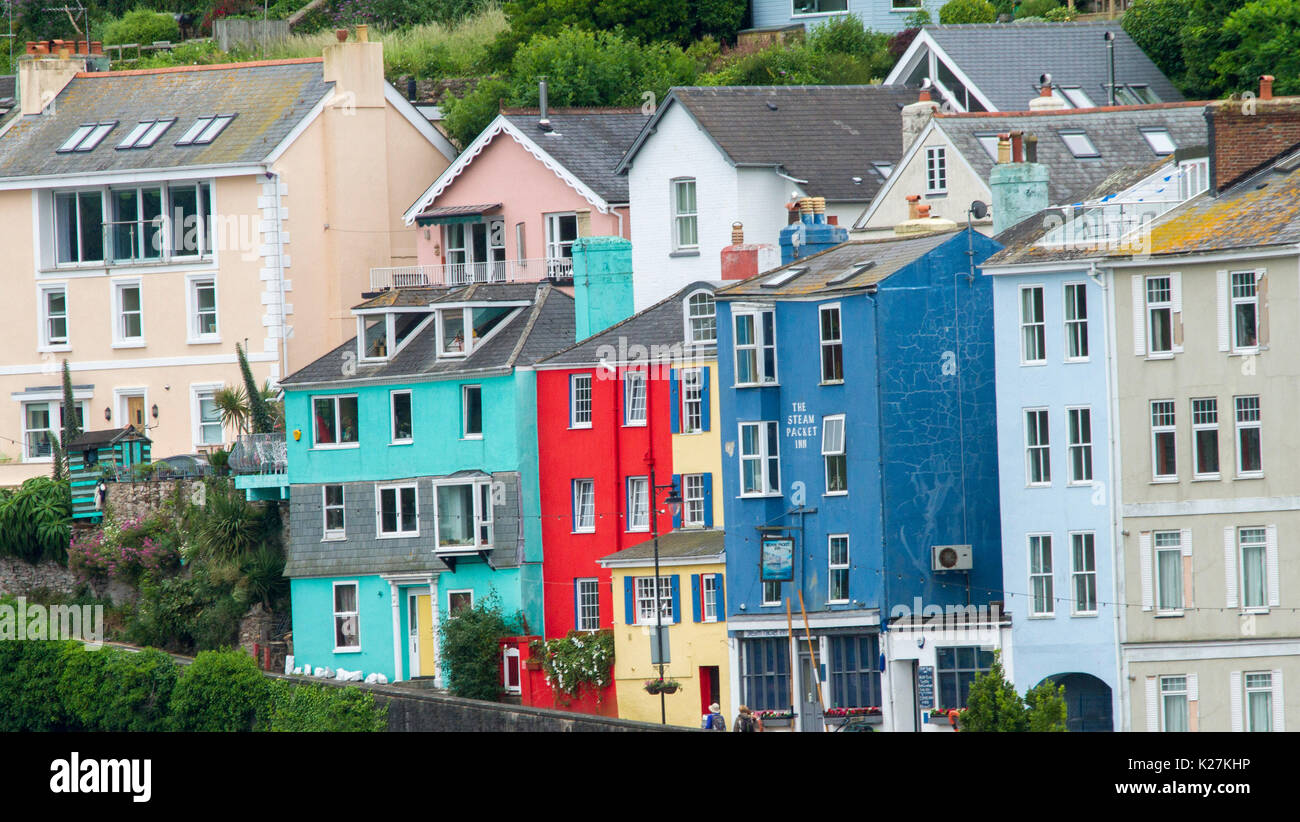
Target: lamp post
x,y
674,503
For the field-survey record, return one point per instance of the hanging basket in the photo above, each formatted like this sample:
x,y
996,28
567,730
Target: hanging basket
x,y
662,686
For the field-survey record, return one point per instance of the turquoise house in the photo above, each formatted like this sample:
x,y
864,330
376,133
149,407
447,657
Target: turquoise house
x,y
412,473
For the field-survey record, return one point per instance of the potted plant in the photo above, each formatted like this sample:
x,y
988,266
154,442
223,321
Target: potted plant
x,y
662,686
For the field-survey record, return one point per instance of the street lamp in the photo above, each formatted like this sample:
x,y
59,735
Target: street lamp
x,y
674,503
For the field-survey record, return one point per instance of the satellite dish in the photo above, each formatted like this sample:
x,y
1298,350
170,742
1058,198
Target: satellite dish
x,y
979,209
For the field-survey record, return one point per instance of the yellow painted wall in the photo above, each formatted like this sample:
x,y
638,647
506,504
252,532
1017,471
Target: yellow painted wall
x,y
693,645
702,453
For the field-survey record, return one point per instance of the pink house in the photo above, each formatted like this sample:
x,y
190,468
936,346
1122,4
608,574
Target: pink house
x,y
513,202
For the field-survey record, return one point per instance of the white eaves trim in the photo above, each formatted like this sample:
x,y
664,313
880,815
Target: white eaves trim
x,y
419,121
498,126
912,150
148,175
908,62
664,562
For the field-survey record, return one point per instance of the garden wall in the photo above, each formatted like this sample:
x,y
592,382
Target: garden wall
x,y
19,578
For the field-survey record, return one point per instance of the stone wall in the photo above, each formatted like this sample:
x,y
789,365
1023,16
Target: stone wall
x,y
140,499
19,578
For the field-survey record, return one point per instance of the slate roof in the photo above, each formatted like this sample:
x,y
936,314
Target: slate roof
x,y
662,324
1005,60
826,135
588,142
687,543
269,99
536,331
1115,132
99,439
885,256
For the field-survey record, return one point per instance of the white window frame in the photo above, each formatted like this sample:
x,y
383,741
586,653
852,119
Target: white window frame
x,y
683,218
198,392
47,341
692,387
54,410
1248,424
581,523
120,340
465,433
709,597
1042,578
333,534
574,405
340,443
693,321
1173,543
638,504
1165,693
830,345
453,592
765,427
193,283
1152,306
1037,326
936,170
1234,301
832,449
1081,446
484,528
759,346
768,588
355,615
644,592
1262,545
1163,428
1083,571
693,497
397,489
556,246
635,398
393,439
1038,448
834,568
1200,423
580,619
1248,716
1076,327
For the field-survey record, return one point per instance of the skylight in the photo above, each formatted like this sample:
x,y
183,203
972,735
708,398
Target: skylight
x,y
1079,144
86,137
146,133
990,143
205,130
1159,140
1077,97
883,169
784,277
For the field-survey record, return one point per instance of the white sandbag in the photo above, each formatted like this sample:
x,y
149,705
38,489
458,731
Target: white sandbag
x,y
348,676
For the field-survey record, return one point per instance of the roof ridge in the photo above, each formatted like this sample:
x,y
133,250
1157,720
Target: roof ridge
x,y
521,110
212,67
975,115
539,299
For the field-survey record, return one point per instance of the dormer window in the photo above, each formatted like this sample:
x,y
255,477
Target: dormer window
x,y
145,133
86,137
461,330
380,336
701,319
205,130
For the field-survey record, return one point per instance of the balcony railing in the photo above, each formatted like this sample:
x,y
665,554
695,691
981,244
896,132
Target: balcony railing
x,y
456,274
1107,225
259,454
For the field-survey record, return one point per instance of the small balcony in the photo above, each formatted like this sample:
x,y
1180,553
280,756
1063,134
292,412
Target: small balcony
x,y
558,269
259,463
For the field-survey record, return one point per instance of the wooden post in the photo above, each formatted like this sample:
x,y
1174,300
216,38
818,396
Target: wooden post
x,y
817,680
789,627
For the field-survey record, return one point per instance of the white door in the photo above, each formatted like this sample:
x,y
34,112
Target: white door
x,y
413,632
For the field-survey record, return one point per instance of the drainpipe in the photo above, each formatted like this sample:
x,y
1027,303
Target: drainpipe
x,y
279,267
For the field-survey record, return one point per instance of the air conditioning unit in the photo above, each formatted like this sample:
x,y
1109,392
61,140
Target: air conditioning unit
x,y
950,558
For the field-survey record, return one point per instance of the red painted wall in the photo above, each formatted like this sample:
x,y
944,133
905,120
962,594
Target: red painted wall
x,y
609,453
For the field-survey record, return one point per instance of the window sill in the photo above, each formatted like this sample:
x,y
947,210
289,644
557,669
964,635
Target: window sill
x,y
1038,485
131,344
1164,481
586,427
340,447
641,424
831,382
644,530
1250,476
473,437
684,253
1080,484
1208,478
328,538
773,495
1244,352
1042,616
1160,356
1255,611
203,341
1169,614
56,347
584,531
937,193
1077,359
38,460
356,650
757,385
1085,615
1032,363
401,442
818,14
836,494
403,535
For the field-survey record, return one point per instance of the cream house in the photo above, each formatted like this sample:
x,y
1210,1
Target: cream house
x,y
152,219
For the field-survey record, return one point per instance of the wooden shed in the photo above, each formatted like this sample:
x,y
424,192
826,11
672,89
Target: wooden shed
x,y
99,455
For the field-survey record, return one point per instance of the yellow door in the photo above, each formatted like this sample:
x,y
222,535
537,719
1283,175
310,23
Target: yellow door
x,y
421,626
135,412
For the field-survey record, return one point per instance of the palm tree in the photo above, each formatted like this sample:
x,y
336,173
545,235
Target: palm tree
x,y
233,405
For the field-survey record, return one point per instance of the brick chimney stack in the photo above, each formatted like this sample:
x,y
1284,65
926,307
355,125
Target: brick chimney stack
x,y
1247,133
741,261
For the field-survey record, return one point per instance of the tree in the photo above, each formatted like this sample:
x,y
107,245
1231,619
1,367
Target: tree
x,y
1045,707
1204,37
967,11
232,405
261,420
1267,33
1035,8
70,431
993,704
1156,26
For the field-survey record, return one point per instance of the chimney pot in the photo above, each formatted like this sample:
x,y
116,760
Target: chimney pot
x,y
913,206
1017,147
1266,87
363,33
1004,149
923,212
1031,148
737,233
924,96
541,100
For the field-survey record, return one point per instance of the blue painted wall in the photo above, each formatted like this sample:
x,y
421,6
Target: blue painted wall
x,y
878,15
1063,643
313,622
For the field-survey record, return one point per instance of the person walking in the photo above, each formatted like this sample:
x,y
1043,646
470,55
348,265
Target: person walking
x,y
714,720
746,722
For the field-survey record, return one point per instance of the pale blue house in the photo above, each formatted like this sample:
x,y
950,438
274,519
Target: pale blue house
x,y
879,15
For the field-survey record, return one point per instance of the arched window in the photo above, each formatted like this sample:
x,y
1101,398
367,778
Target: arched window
x,y
701,319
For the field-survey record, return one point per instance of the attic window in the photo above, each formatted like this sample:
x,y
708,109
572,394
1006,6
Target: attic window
x,y
883,169
1134,94
205,130
1077,97
146,133
1079,144
1159,140
86,137
990,143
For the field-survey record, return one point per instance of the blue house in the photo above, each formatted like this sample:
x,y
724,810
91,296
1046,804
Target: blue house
x,y
412,473
859,453
879,15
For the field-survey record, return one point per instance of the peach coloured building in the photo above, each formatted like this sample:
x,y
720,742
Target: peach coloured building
x,y
511,205
152,219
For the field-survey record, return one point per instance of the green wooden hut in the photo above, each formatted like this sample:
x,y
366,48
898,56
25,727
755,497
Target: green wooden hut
x,y
97,456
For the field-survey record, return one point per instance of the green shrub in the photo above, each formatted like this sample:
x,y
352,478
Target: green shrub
x,y
1036,8
34,520
221,691
470,649
142,26
1045,710
324,708
189,613
114,690
993,704
967,11
846,35
1060,14
230,527
30,672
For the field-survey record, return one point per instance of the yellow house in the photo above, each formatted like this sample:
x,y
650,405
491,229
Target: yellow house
x,y
152,219
696,444
692,567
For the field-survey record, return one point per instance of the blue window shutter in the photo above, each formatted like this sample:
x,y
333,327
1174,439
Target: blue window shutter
x,y
677,517
629,602
696,605
708,500
677,600
704,399
722,598
674,402
577,615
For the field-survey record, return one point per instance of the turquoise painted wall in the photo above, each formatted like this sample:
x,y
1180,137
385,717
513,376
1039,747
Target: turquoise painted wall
x,y
313,621
602,283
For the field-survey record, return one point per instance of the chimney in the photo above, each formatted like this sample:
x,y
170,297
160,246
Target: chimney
x,y
1266,87
1244,134
356,68
811,233
1031,148
1017,147
919,220
1004,148
740,261
41,78
602,283
917,115
913,207
1019,191
541,103
1046,101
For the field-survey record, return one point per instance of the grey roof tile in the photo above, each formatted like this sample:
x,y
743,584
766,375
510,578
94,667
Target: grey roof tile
x,y
587,142
679,544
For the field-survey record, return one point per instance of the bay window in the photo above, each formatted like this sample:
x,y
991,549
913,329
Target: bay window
x,y
122,224
463,511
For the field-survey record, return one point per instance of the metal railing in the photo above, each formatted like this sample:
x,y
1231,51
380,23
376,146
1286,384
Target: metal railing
x,y
1106,225
259,454
456,274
